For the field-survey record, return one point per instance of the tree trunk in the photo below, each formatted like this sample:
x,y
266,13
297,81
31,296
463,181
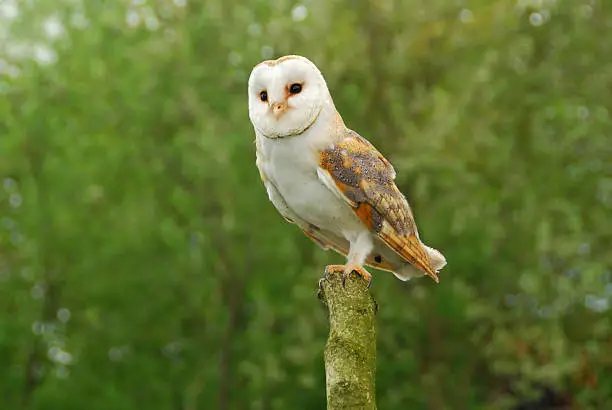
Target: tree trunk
x,y
350,353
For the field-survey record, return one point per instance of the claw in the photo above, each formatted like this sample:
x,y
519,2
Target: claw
x,y
321,284
360,270
345,271
329,269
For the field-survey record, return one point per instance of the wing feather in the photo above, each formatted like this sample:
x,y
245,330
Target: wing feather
x,y
355,171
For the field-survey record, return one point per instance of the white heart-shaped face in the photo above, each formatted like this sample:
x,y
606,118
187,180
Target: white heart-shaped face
x,y
285,96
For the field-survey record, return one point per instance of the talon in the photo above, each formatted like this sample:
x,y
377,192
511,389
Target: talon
x,y
329,269
345,271
360,270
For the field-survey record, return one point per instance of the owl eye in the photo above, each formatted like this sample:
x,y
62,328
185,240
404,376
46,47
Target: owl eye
x,y
295,88
263,96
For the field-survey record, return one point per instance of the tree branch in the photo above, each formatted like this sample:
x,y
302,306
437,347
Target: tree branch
x,y
350,353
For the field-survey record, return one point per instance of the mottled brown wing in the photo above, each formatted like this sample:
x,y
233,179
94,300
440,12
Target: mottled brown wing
x,y
365,180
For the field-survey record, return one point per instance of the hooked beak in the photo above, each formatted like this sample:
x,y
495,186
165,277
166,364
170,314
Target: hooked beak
x,y
279,109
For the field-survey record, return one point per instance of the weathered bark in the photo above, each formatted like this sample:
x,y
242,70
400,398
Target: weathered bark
x,y
350,353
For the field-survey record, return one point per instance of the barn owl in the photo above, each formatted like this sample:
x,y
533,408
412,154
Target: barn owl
x,y
327,179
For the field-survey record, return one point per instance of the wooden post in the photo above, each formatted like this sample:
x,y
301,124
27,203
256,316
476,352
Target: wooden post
x,y
350,352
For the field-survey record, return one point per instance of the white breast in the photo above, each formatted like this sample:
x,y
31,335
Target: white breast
x,y
291,165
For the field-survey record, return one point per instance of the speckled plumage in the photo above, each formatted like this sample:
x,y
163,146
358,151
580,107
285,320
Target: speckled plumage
x,y
329,180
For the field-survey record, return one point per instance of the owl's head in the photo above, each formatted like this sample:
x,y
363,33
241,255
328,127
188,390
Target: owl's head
x,y
286,96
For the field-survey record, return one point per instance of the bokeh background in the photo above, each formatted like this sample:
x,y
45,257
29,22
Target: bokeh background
x,y
142,266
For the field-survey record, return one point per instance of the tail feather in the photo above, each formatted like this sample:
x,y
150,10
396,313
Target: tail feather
x,y
409,271
437,260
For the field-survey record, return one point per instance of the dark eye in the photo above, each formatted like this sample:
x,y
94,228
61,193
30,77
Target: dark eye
x,y
263,95
295,88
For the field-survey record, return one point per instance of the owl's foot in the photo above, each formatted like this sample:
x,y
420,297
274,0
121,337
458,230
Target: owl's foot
x,y
328,270
331,269
360,270
345,271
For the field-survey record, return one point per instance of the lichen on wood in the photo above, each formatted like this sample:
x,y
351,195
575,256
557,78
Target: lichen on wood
x,y
350,352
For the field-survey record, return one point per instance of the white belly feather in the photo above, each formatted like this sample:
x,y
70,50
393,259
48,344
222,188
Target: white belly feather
x,y
291,165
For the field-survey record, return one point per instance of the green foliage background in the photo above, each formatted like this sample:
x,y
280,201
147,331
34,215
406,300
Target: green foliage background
x,y
142,266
